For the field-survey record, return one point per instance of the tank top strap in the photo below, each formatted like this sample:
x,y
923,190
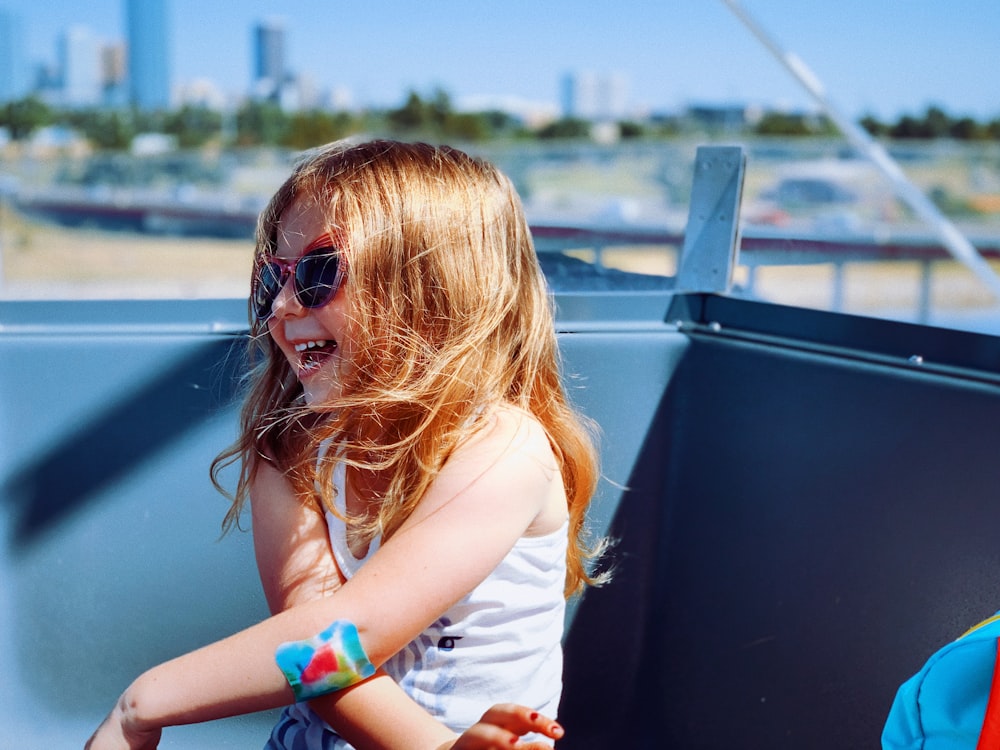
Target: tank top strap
x,y
337,528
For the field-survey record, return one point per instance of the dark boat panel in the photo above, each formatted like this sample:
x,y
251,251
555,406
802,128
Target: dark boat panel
x,y
805,525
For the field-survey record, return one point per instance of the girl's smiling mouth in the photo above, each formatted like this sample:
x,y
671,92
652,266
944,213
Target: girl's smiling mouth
x,y
313,353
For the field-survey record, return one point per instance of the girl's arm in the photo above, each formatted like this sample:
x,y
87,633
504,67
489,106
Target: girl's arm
x,y
359,715
296,564
483,501
291,543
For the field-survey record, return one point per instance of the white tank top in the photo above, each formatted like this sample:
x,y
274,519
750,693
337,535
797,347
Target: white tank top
x,y
500,643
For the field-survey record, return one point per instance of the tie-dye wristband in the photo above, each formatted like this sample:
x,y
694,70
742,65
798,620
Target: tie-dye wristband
x,y
332,660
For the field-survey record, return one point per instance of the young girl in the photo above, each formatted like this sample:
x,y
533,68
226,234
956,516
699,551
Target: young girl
x,y
416,478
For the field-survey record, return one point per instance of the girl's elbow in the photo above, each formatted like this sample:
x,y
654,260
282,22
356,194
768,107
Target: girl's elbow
x,y
136,709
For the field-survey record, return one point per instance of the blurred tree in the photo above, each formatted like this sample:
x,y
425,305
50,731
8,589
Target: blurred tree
x,y
567,127
967,129
316,127
874,126
23,117
468,126
936,124
193,126
436,117
783,123
260,123
412,116
265,123
110,129
631,129
107,129
502,123
438,110
149,121
907,126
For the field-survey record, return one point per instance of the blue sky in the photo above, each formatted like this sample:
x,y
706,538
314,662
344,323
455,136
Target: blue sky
x,y
886,57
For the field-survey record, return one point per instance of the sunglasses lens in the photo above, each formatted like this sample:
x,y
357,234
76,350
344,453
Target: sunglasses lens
x,y
316,276
269,283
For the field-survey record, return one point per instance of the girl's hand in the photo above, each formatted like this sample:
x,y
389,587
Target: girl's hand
x,y
115,733
501,727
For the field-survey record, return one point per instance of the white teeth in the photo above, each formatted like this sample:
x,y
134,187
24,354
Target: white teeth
x,y
305,345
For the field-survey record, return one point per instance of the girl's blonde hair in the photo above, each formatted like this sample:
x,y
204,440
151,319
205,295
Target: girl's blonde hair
x,y
450,317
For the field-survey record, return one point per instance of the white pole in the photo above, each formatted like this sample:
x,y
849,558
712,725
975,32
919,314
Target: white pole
x,y
955,242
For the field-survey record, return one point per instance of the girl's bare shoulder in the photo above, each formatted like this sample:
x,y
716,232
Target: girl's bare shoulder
x,y
512,451
509,431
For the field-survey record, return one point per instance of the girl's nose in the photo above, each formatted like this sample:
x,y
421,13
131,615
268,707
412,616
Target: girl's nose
x,y
286,304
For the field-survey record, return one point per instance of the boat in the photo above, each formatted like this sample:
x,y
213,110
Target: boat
x,y
803,504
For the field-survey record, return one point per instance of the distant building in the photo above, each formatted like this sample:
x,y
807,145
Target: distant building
x,y
340,98
114,81
201,92
531,113
726,118
148,53
272,80
269,70
46,83
578,95
301,92
80,68
14,81
592,96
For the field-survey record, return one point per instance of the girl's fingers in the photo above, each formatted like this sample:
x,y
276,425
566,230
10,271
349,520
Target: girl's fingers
x,y
521,720
502,727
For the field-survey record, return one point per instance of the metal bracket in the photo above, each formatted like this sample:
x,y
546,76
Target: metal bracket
x,y
711,240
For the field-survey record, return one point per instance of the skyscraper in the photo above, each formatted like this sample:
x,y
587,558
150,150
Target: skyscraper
x,y
580,95
269,58
148,58
79,66
269,49
13,58
593,96
113,74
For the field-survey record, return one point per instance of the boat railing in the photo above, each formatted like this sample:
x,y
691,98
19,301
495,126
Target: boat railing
x,y
760,248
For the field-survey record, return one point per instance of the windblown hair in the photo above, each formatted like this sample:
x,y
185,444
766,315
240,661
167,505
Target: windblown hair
x,y
450,317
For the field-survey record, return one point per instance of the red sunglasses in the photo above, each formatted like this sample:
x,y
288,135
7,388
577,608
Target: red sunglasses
x,y
316,275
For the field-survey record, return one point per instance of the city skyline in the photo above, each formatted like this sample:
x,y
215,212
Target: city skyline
x,y
885,59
